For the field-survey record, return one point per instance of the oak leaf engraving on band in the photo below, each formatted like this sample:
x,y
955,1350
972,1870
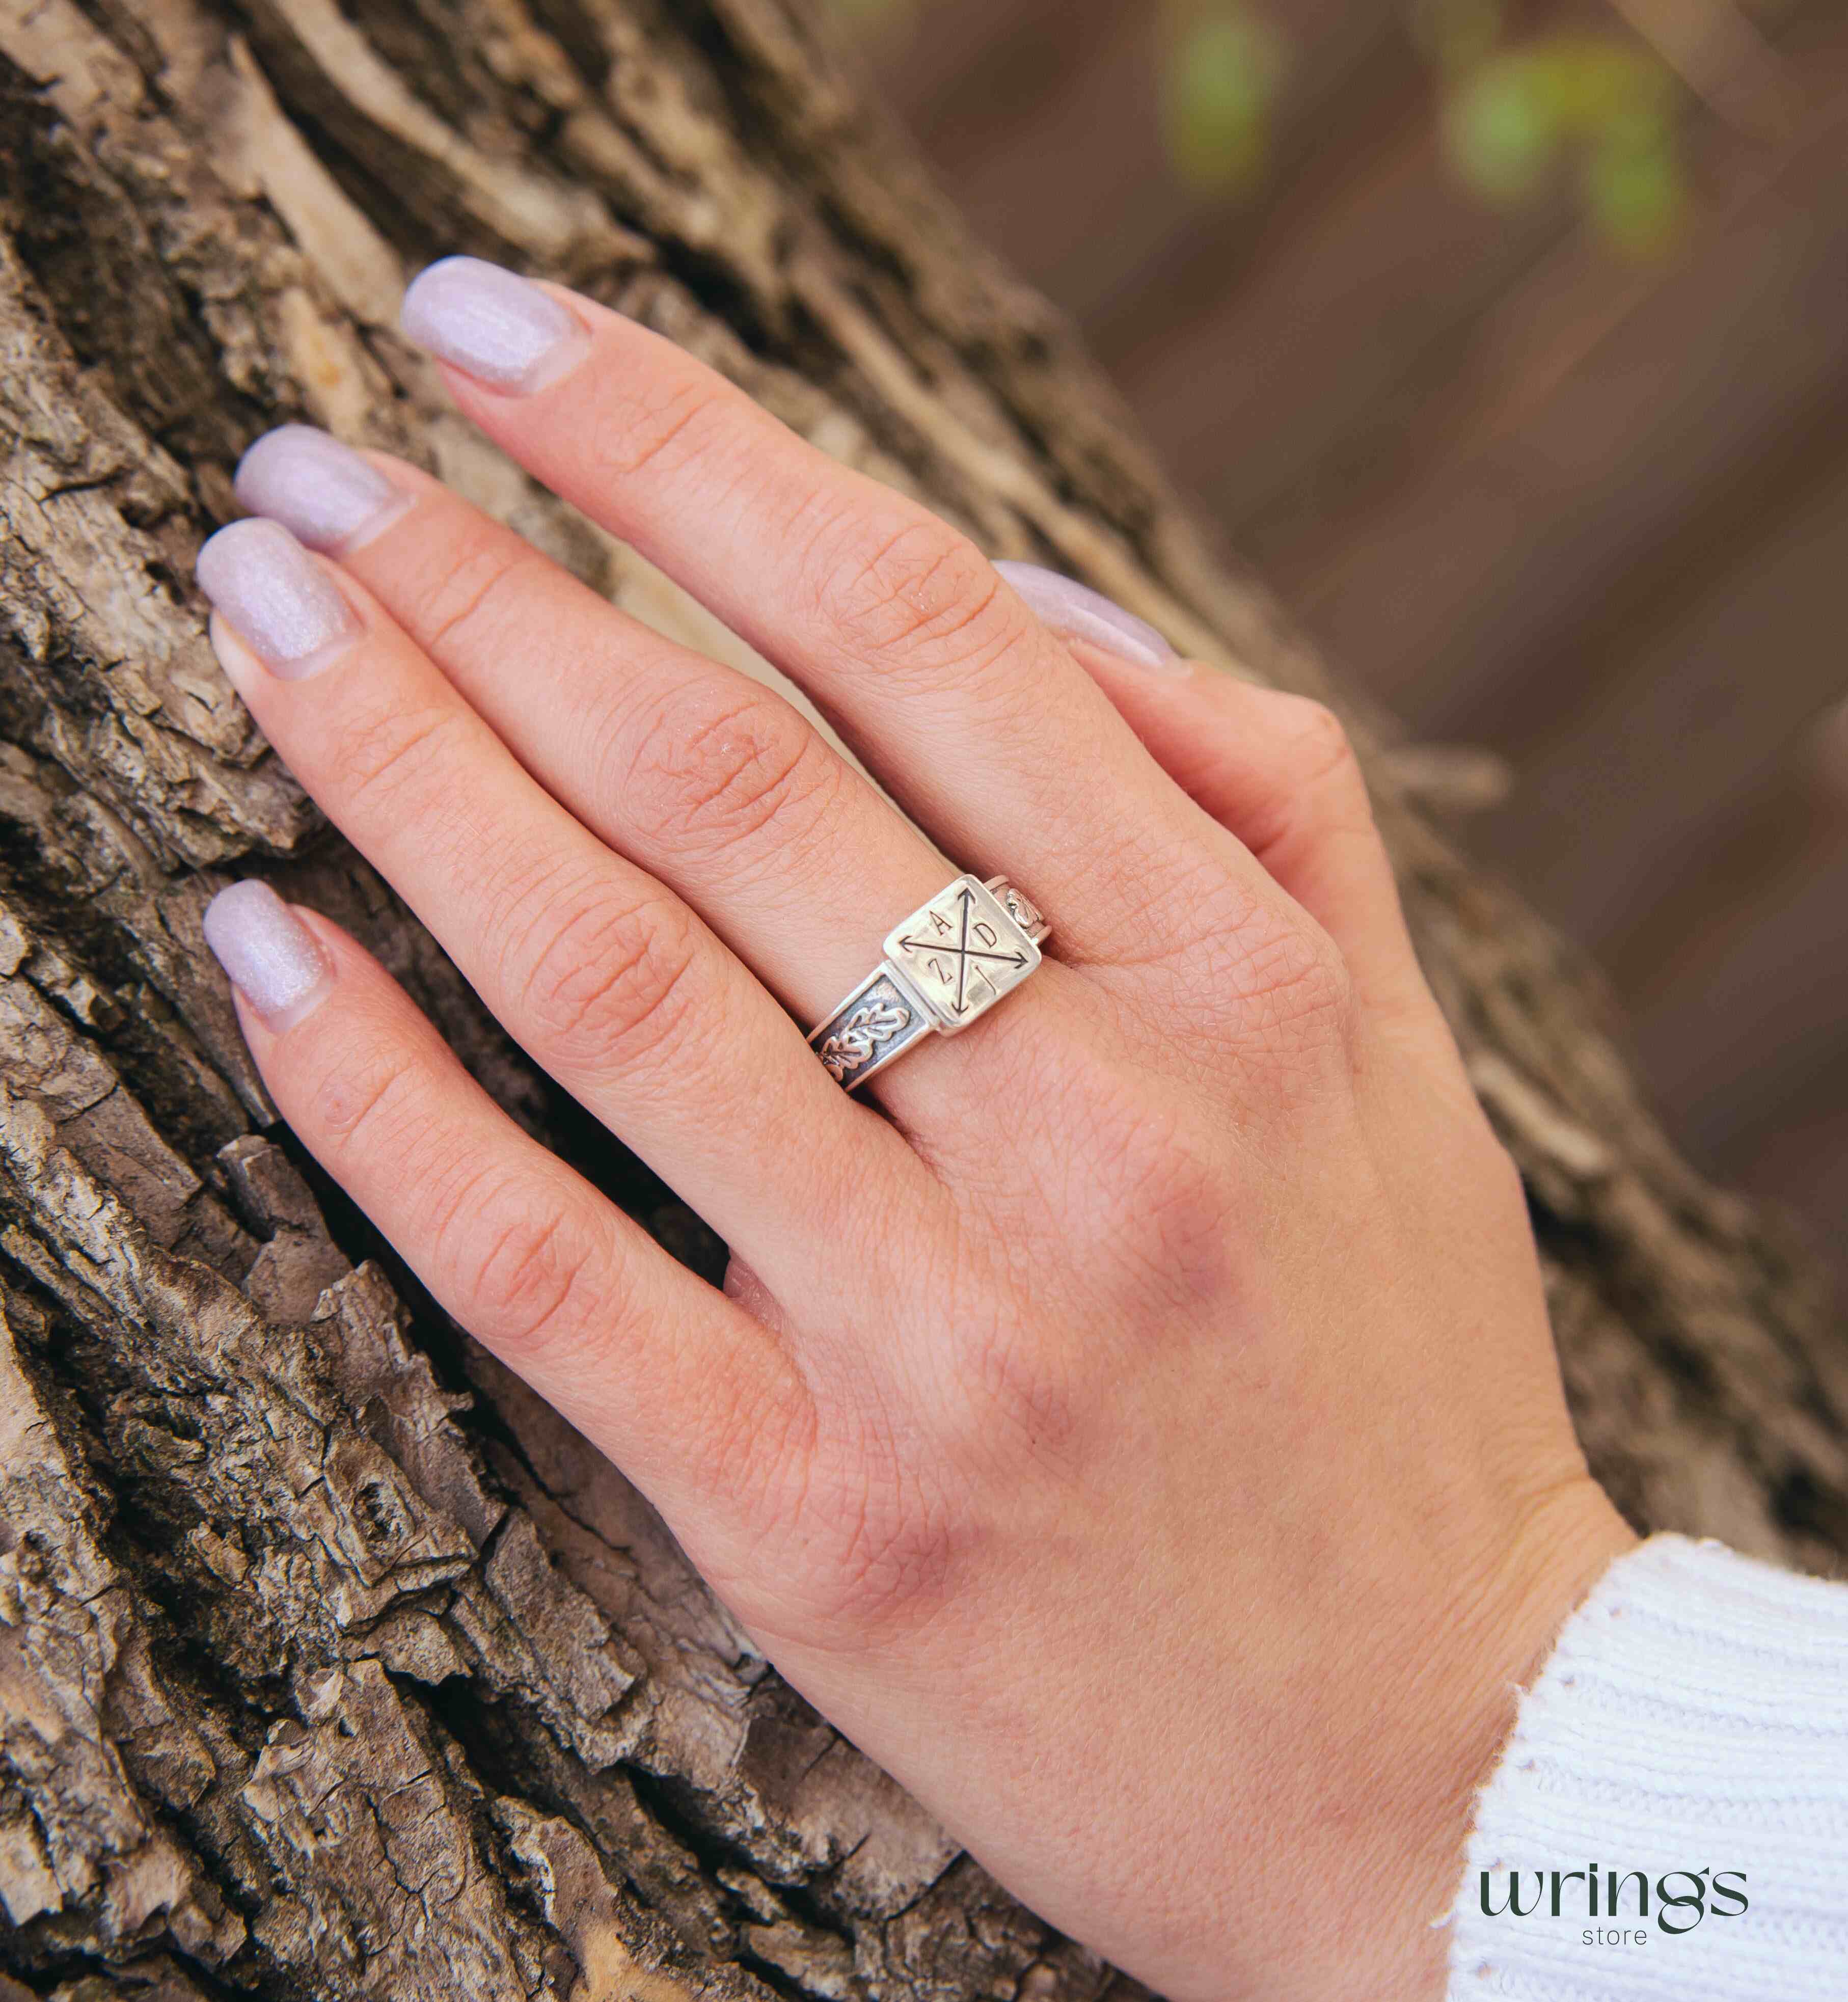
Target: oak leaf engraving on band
x,y
852,1045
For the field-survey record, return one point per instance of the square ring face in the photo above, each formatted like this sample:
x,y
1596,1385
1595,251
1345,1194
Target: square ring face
x,y
961,953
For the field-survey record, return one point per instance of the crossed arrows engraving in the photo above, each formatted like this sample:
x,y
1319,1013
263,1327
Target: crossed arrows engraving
x,y
964,952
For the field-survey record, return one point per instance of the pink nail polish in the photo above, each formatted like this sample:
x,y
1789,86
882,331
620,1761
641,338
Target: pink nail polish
x,y
1075,612
322,491
282,603
491,324
271,956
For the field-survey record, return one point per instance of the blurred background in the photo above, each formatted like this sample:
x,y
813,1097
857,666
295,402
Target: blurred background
x,y
1510,343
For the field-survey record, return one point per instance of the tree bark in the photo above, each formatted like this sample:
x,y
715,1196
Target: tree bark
x,y
332,1664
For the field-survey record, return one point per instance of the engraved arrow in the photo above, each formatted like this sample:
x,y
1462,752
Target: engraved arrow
x,y
964,953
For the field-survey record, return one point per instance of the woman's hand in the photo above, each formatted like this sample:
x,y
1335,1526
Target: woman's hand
x,y
1137,1428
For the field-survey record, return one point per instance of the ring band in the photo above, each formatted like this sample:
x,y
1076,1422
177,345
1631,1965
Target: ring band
x,y
948,963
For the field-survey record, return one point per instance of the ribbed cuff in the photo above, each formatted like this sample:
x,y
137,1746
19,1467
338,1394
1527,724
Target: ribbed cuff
x,y
1691,1723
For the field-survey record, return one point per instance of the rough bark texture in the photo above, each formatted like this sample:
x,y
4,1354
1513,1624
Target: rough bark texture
x,y
331,1664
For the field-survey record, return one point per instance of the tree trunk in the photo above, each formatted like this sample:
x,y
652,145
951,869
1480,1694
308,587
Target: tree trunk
x,y
332,1664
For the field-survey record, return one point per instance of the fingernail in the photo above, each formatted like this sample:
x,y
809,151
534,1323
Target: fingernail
x,y
491,324
322,491
1075,612
272,958
282,603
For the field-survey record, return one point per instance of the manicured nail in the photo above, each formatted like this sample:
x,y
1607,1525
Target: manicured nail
x,y
272,958
282,603
491,324
322,491
1075,612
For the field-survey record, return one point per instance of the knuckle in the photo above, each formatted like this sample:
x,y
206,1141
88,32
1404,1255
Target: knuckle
x,y
716,766
1148,1208
1157,1201
357,1105
607,975
1299,781
520,1265
912,588
1279,981
753,1435
1321,750
895,1548
1028,1399
480,589
1297,982
387,752
853,1536
896,1563
630,441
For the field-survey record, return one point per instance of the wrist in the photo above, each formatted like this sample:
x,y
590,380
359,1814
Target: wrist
x,y
1566,1543
1361,1869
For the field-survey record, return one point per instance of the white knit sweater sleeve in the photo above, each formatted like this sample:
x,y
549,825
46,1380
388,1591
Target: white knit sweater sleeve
x,y
1691,1724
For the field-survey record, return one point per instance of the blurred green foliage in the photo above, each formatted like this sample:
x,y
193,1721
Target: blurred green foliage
x,y
1591,106
1584,102
1223,64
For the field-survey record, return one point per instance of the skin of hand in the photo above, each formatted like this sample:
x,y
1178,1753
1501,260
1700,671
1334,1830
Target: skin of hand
x,y
1135,1423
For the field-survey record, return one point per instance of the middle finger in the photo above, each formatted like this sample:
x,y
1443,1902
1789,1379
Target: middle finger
x,y
977,720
